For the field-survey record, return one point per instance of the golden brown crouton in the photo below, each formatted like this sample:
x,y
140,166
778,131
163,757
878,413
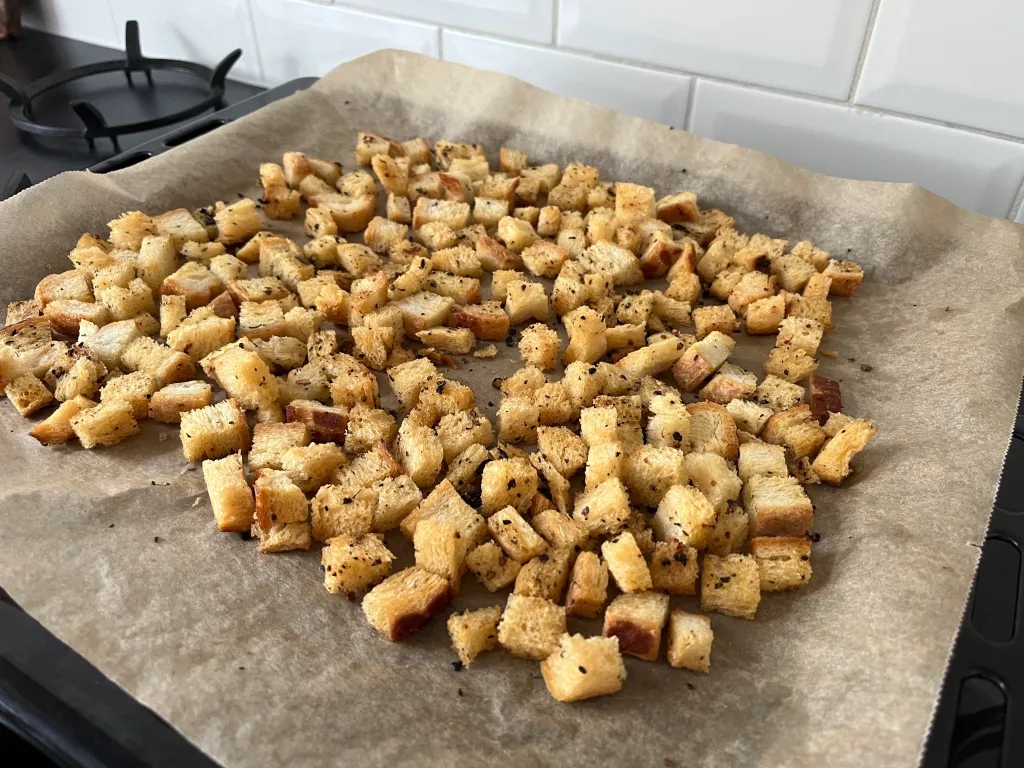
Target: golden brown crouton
x,y
730,585
701,359
730,383
214,431
493,568
28,394
604,509
626,563
637,620
790,364
405,601
353,564
56,429
473,632
713,430
530,627
106,424
832,464
783,562
689,641
762,459
777,506
717,318
796,429
582,668
685,515
515,536
545,575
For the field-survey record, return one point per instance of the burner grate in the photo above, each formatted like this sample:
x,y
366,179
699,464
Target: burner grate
x,y
93,124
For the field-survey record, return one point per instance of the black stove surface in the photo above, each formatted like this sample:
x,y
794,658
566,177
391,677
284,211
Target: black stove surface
x,y
37,54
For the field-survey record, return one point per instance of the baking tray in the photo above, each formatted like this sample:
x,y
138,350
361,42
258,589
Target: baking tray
x,y
67,709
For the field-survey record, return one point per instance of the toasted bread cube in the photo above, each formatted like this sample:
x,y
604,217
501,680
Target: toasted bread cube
x,y
633,203
777,506
353,564
369,145
714,477
762,459
420,453
674,568
832,464
129,229
440,549
783,562
605,461
56,429
169,403
367,427
526,301
261,320
28,394
669,424
464,470
278,500
836,421
325,423
814,256
582,668
407,378
689,641
792,272
457,341
604,508
473,632
507,482
458,431
777,394
531,626
587,342
846,277
563,449
626,563
23,310
588,586
405,601
686,515
392,172
730,532
195,282
637,620
544,259
369,467
81,379
515,233
73,285
136,389
492,567
424,310
242,374
355,387
486,321
718,318
730,585
270,441
790,364
172,313
678,208
283,352
395,498
826,399
701,359
284,537
796,429
336,511
544,576
751,287
515,536
237,222
312,466
712,430
518,419
214,431
554,403
730,383
106,424
749,416
621,264
655,358
451,213
67,315
539,346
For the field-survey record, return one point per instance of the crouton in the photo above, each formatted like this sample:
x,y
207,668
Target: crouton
x,y
73,284
701,359
195,282
586,330
237,222
464,470
566,452
354,385
749,416
270,441
832,464
678,208
405,601
242,374
531,626
626,563
335,511
67,315
730,585
457,341
764,315
486,321
846,277
56,429
172,313
685,515
353,564
796,429
669,424
604,508
440,548
81,379
712,430
730,532
714,477
28,394
649,472
368,427
369,467
526,301
790,364
106,424
473,632
783,562
514,535
312,466
282,352
637,620
717,318
420,453
554,403
492,567
777,394
762,459
407,378
539,346
777,506
544,259
621,264
136,389
730,383
23,310
507,482
674,568
325,423
826,399
689,641
214,431
544,576
582,668
278,500
792,272
283,537
424,310
656,358
169,403
129,229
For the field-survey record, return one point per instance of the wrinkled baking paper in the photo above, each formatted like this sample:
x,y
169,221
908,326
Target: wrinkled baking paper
x,y
251,658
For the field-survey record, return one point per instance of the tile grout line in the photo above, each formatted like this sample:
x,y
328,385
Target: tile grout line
x,y
689,104
556,7
869,31
440,42
250,19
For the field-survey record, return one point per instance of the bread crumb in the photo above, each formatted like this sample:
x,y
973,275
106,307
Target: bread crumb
x,y
489,351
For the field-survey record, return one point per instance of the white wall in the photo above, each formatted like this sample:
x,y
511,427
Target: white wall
x,y
927,91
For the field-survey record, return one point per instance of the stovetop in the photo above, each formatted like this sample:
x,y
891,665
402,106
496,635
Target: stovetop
x,y
36,54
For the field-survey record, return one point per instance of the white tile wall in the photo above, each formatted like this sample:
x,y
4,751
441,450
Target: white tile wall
x,y
80,19
811,46
928,91
525,19
212,31
977,172
299,39
655,95
949,60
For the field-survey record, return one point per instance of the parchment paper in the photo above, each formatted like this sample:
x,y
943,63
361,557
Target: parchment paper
x,y
255,662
